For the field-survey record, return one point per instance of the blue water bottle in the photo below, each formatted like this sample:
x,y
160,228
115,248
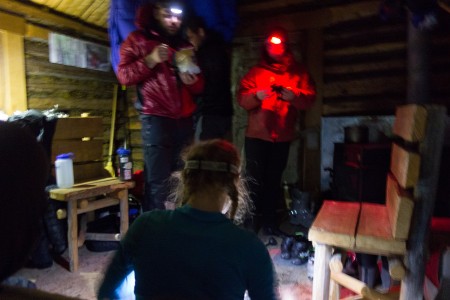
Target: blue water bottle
x,y
125,164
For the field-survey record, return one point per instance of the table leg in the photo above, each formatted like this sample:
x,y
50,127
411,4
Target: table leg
x,y
83,228
321,282
72,235
123,198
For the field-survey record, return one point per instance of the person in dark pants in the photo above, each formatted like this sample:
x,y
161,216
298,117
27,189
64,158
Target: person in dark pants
x,y
215,107
273,92
265,164
165,94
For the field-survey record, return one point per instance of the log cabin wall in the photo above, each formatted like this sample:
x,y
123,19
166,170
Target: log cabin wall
x,y
73,90
366,70
358,61
365,65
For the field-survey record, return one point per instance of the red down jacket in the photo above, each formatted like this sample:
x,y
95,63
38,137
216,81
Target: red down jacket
x,y
161,91
272,119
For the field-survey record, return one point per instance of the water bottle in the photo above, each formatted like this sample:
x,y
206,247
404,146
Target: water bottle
x,y
64,170
125,164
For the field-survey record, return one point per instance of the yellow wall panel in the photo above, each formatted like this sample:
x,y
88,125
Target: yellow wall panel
x,y
12,80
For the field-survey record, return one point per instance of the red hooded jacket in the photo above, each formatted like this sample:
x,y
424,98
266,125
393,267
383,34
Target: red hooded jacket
x,y
161,92
273,119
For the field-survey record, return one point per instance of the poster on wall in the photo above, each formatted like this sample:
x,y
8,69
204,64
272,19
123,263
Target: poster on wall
x,y
70,51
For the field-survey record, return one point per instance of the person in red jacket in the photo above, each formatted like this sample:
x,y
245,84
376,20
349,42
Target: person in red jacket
x,y
165,94
272,92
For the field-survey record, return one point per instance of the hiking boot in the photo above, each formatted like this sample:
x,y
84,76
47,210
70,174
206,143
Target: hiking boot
x,y
301,258
300,252
286,247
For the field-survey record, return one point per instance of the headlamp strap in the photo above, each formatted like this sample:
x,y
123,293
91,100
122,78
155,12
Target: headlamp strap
x,y
211,166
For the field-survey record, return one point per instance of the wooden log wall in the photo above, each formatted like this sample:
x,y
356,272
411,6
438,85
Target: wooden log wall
x,y
74,90
365,65
358,61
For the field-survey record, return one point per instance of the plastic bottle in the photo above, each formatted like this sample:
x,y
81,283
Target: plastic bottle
x,y
125,164
64,170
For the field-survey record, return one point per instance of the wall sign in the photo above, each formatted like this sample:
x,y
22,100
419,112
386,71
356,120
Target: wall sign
x,y
70,51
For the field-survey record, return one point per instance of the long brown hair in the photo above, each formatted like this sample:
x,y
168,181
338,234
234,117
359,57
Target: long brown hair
x,y
193,180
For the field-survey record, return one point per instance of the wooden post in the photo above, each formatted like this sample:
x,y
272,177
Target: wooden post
x,y
124,220
321,282
336,266
425,196
72,235
418,89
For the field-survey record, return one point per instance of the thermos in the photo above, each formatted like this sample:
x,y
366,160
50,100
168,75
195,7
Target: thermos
x,y
125,164
64,170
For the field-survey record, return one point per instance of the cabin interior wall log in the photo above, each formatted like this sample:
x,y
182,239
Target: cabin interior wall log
x,y
369,64
364,66
364,60
74,90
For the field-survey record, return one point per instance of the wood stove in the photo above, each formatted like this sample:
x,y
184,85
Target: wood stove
x,y
359,171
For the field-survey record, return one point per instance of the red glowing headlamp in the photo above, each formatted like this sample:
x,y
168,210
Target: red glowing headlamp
x,y
275,40
275,45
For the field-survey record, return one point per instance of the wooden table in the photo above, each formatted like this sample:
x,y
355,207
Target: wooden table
x,y
88,197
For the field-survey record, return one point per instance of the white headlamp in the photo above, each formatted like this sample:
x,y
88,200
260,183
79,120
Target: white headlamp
x,y
176,10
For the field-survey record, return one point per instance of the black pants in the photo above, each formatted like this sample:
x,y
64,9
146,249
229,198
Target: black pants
x,y
163,139
265,163
212,127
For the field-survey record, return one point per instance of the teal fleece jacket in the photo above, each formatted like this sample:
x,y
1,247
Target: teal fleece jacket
x,y
191,254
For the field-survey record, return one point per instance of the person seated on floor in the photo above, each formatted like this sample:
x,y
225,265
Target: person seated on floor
x,y
24,166
196,251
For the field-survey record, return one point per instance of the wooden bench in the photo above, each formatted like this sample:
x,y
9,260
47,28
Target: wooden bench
x,y
94,187
387,229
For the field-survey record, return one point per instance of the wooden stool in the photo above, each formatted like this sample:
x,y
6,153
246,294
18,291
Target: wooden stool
x,y
94,188
92,195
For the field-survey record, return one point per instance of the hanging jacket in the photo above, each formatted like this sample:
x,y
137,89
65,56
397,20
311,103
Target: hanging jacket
x,y
273,119
160,90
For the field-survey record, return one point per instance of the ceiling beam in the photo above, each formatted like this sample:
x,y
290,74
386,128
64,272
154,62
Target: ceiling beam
x,y
44,16
298,19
